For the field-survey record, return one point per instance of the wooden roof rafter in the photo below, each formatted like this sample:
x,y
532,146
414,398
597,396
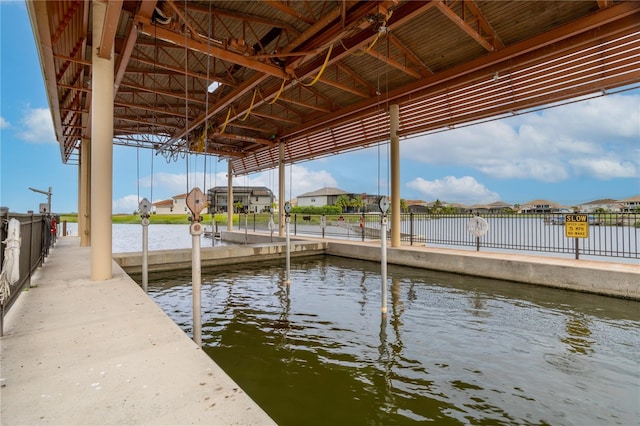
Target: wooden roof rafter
x,y
286,106
254,47
360,13
289,11
161,93
71,58
64,22
345,87
470,19
216,50
246,126
167,110
159,67
423,70
109,28
357,79
219,15
317,94
306,105
603,4
404,67
276,118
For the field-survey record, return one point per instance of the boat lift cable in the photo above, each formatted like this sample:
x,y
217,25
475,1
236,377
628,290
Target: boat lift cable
x,y
206,105
152,176
386,89
186,96
138,172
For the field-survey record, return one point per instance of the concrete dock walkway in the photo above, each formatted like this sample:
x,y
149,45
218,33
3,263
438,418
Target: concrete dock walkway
x,y
81,352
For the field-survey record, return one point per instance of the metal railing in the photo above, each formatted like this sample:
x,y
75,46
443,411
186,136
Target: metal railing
x,y
609,234
36,238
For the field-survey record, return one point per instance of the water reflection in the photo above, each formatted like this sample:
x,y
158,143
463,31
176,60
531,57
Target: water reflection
x,y
453,349
578,335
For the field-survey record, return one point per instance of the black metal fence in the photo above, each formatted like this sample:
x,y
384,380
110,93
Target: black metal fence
x,y
609,234
36,238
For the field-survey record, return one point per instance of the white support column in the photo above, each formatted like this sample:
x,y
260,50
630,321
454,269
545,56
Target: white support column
x,y
229,196
101,151
84,194
281,190
394,124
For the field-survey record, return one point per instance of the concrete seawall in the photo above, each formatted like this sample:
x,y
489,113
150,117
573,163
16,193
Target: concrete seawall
x,y
597,277
605,278
168,260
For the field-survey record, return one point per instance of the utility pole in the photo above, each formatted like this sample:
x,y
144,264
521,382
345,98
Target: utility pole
x,y
48,194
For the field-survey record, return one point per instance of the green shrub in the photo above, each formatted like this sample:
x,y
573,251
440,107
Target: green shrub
x,y
316,210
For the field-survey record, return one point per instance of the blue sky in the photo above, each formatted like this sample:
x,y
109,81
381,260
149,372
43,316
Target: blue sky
x,y
568,154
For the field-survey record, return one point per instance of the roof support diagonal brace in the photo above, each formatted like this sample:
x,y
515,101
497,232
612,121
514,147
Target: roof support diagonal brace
x,y
470,19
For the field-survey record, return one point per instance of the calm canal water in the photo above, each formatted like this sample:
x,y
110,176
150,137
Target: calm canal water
x,y
453,349
128,238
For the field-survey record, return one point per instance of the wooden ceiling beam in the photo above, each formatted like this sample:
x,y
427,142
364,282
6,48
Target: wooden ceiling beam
x,y
65,21
402,14
217,13
470,19
109,28
223,152
39,15
603,4
272,117
287,10
183,17
393,63
344,87
176,70
255,80
356,77
177,95
422,68
242,138
124,57
146,123
159,111
318,94
240,125
221,106
213,50
613,20
304,104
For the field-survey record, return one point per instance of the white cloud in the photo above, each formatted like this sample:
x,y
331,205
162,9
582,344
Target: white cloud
x,y
172,183
465,190
4,123
597,137
37,126
303,180
605,168
595,119
126,204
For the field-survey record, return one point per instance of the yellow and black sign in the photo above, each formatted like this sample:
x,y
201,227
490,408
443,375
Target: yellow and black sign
x,y
576,226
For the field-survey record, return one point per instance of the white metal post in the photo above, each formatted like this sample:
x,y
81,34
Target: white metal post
x,y
195,202
145,254
196,276
144,207
288,273
383,265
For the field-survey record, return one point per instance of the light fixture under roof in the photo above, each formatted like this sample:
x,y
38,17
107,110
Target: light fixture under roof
x,y
213,86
